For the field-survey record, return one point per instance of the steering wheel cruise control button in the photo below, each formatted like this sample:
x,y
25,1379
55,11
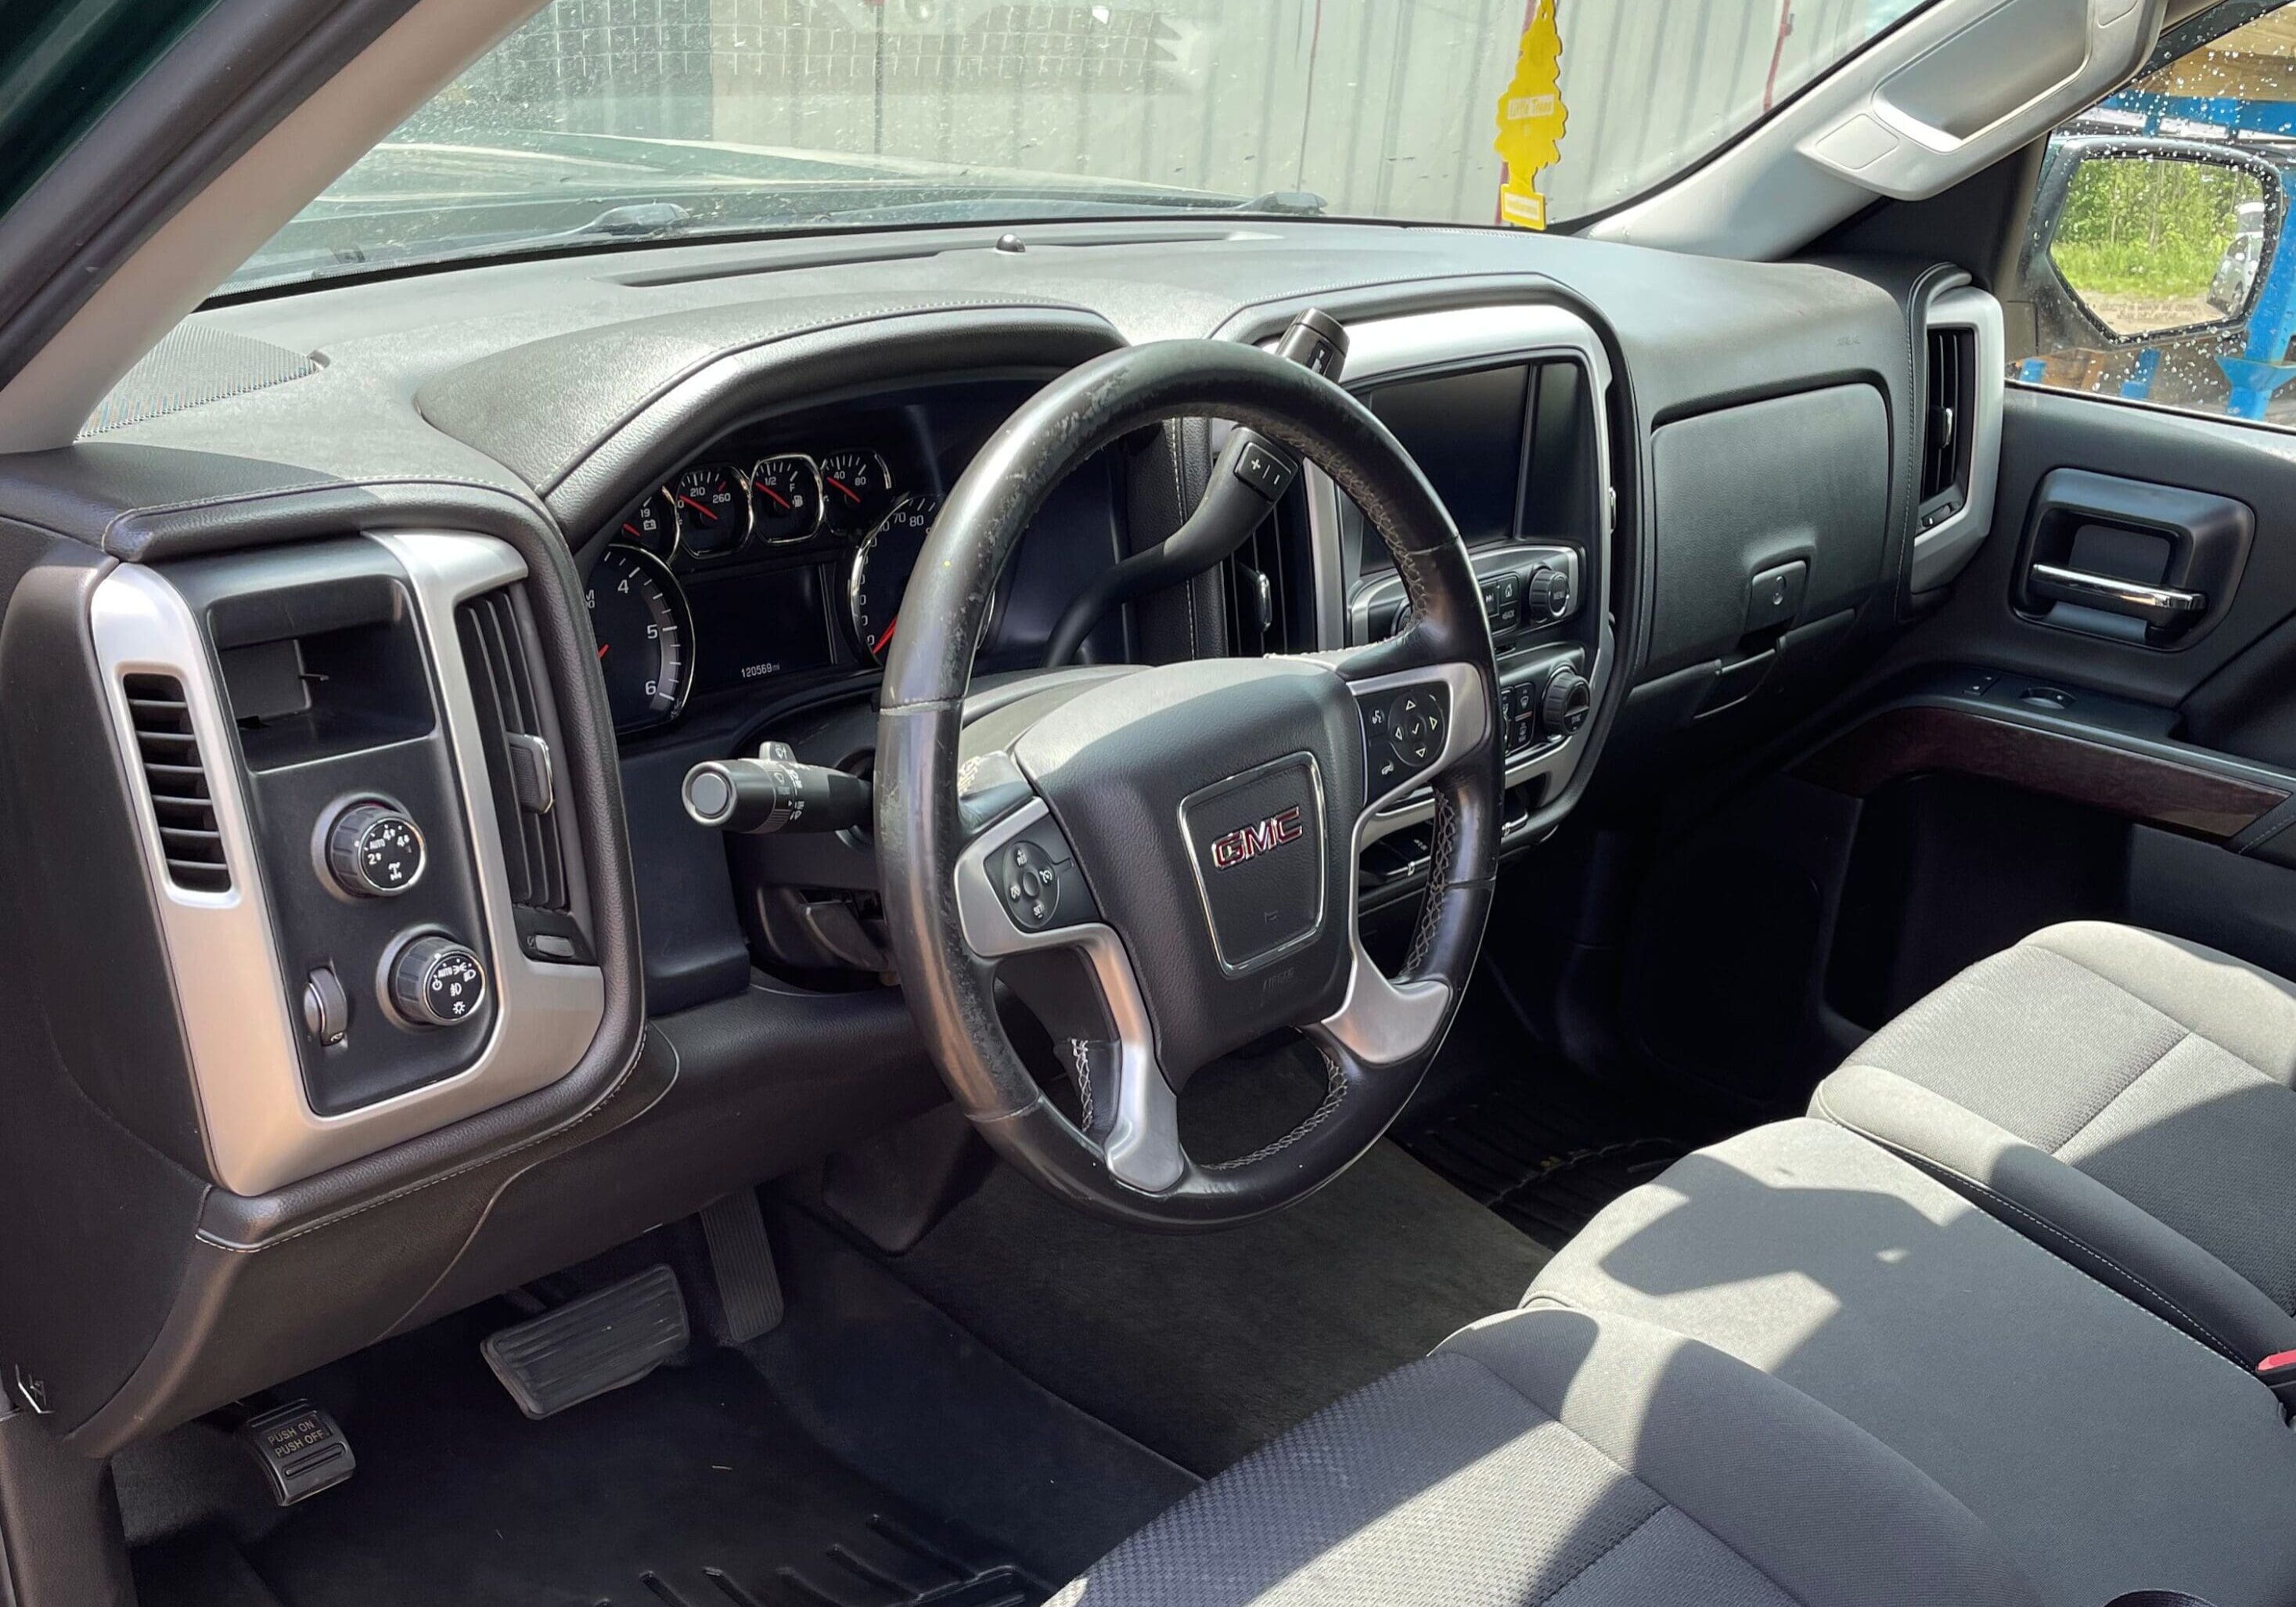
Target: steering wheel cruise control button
x,y
373,851
437,982
1037,881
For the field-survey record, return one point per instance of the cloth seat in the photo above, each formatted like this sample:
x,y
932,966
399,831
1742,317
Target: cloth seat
x,y
2106,1449
2127,1100
1547,1458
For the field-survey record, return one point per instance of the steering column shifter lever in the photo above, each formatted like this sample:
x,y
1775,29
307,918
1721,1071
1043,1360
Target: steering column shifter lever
x,y
774,792
1249,478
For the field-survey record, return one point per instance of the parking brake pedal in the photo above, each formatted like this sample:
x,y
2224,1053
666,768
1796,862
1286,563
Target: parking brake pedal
x,y
602,1342
302,1450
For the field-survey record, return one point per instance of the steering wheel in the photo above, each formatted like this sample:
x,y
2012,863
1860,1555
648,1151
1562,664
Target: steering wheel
x,y
1161,862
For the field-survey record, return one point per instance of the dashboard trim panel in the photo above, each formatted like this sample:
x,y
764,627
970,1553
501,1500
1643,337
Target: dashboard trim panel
x,y
230,989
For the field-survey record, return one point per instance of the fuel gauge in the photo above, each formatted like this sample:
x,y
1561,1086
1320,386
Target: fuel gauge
x,y
788,497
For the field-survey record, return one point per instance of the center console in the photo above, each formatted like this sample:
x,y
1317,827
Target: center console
x,y
1502,409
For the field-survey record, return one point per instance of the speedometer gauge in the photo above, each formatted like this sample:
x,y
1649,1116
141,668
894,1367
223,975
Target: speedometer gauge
x,y
881,572
713,506
856,491
645,636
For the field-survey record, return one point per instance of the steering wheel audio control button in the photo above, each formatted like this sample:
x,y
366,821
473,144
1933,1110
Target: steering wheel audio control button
x,y
373,851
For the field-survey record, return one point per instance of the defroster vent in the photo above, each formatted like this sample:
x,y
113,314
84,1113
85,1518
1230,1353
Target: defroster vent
x,y
519,767
182,802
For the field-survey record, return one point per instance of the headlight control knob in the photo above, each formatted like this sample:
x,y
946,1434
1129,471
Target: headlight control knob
x,y
373,851
437,982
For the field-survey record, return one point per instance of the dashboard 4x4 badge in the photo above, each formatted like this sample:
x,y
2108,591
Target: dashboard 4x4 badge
x,y
1530,119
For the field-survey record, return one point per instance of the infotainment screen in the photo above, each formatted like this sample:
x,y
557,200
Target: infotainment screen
x,y
1465,430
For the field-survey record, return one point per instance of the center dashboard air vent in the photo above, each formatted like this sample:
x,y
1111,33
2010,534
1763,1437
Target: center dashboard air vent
x,y
1267,587
176,775
519,769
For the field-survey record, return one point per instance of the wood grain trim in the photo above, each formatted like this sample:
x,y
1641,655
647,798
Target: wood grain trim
x,y
1919,740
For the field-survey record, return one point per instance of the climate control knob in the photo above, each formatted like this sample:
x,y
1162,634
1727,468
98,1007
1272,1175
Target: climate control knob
x,y
1546,595
1565,705
375,852
437,982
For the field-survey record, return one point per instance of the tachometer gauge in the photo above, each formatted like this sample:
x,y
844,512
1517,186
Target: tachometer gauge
x,y
788,497
653,524
645,636
857,491
880,574
713,508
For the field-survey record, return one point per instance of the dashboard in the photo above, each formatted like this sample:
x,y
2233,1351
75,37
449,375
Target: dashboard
x,y
779,554
534,538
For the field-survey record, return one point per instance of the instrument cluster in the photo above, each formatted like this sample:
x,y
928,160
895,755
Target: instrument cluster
x,y
725,509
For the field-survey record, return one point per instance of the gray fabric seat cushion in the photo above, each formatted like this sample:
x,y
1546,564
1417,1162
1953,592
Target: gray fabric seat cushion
x,y
2126,1099
2108,1450
1570,1459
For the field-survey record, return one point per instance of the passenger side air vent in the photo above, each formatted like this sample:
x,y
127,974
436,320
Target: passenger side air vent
x,y
176,776
1269,585
519,765
1945,451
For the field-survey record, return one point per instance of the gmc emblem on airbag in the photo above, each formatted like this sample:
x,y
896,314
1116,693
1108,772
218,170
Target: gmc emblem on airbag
x,y
1261,837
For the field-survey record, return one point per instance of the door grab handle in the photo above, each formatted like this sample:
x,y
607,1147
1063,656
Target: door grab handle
x,y
2155,605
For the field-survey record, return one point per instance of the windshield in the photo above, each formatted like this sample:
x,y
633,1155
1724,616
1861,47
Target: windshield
x,y
606,120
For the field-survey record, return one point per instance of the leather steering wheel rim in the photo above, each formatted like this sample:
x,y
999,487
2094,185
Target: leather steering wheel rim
x,y
924,835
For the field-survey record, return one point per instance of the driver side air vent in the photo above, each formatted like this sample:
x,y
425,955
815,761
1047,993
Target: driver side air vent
x,y
519,767
178,779
1267,587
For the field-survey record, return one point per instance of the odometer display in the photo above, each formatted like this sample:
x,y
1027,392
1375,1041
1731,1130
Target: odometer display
x,y
645,632
856,491
881,572
713,506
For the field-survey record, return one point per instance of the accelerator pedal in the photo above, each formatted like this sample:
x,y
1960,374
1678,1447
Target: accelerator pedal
x,y
588,1345
742,1261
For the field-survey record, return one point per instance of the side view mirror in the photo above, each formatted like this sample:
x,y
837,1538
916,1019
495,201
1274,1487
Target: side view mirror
x,y
2158,236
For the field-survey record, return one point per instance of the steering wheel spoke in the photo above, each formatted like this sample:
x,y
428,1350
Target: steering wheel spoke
x,y
1021,897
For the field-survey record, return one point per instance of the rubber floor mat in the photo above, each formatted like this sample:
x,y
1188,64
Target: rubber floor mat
x,y
691,1489
1543,1153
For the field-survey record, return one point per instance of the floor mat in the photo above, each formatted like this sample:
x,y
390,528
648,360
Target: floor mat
x,y
691,1489
1202,1346
1544,1154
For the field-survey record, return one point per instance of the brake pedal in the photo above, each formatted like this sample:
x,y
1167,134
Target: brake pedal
x,y
302,1448
599,1342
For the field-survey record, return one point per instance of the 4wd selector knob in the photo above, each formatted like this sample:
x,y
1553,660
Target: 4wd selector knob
x,y
375,852
1546,595
437,982
1566,703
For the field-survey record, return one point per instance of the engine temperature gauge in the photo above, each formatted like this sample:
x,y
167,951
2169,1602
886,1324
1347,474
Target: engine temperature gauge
x,y
713,505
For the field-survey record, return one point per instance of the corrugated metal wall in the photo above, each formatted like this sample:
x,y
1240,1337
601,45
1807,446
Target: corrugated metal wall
x,y
1380,106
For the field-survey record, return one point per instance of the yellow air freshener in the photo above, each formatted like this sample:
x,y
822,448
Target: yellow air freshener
x,y
1530,117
